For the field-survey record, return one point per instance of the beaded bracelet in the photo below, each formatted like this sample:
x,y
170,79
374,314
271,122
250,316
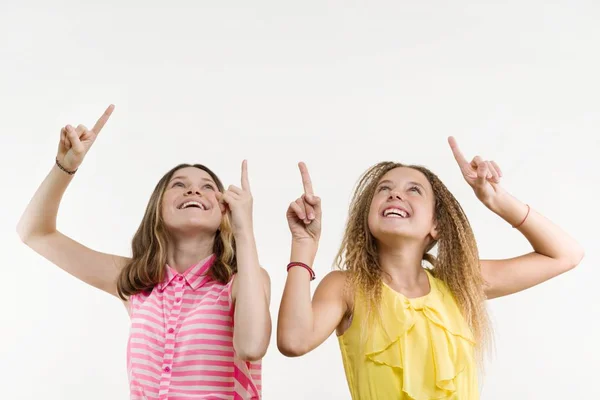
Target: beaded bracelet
x,y
64,169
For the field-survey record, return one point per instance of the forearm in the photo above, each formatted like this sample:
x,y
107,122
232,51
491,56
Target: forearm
x,y
545,237
39,217
296,322
252,319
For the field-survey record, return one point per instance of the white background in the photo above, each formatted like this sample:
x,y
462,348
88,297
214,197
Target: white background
x,y
340,85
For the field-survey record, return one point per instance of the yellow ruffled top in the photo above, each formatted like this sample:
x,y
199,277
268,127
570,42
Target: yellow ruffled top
x,y
423,349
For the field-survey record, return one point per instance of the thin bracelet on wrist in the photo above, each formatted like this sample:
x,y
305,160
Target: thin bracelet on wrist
x,y
306,267
64,169
524,219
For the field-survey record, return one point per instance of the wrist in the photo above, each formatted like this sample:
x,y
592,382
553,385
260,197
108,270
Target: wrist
x,y
244,235
304,251
295,264
305,241
501,203
65,167
510,209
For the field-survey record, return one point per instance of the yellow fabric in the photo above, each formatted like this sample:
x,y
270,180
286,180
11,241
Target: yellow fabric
x,y
422,349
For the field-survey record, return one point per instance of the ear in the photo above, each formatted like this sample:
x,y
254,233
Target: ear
x,y
434,233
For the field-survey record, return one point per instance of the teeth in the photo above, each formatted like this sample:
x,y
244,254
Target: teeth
x,y
395,211
191,203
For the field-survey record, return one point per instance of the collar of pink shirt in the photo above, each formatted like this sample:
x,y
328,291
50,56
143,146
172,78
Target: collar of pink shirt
x,y
195,276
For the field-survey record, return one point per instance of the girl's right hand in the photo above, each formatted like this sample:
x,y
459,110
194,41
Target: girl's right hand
x,y
76,142
304,214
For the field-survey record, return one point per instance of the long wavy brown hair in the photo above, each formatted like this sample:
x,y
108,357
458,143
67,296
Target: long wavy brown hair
x,y
456,264
147,266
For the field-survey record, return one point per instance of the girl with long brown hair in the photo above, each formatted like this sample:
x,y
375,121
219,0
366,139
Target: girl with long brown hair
x,y
411,324
196,294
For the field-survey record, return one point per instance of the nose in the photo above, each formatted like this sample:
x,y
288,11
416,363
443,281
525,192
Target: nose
x,y
195,191
395,195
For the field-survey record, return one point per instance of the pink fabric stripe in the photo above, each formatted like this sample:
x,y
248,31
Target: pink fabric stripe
x,y
244,380
211,352
212,342
210,322
207,364
206,331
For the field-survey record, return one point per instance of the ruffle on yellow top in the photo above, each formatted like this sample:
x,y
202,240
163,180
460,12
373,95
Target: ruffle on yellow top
x,y
425,342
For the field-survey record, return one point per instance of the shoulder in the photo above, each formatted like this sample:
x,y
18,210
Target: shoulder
x,y
441,292
336,278
135,301
435,282
338,283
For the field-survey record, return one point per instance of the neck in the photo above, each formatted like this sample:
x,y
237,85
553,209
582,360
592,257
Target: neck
x,y
402,263
184,252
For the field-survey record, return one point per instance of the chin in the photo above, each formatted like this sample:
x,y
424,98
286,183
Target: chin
x,y
194,228
394,235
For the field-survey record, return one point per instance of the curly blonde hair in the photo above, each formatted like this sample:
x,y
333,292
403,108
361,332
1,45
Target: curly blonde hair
x,y
147,266
456,264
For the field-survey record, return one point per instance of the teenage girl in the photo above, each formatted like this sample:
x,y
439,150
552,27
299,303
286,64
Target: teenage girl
x,y
411,325
197,296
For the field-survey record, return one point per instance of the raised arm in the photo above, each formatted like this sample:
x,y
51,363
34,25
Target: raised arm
x,y
304,324
251,289
37,226
554,251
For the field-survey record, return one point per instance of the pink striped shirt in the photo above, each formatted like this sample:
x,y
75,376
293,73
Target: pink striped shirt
x,y
181,341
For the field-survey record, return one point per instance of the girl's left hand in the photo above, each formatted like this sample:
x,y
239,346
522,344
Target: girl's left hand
x,y
239,203
482,175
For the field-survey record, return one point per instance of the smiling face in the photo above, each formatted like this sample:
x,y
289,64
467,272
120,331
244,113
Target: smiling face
x,y
189,202
394,204
403,206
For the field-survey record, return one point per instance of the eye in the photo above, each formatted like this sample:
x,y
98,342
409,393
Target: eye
x,y
179,184
415,189
383,187
209,186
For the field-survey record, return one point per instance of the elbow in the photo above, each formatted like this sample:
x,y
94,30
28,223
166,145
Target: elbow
x,y
251,353
251,347
28,233
291,347
575,259
570,260
24,233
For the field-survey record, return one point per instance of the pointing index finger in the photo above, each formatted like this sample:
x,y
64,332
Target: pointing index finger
x,y
245,180
458,155
103,119
306,182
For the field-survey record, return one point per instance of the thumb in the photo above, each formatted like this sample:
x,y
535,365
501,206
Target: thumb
x,y
221,201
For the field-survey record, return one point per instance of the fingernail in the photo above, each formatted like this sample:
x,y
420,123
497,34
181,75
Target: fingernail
x,y
311,216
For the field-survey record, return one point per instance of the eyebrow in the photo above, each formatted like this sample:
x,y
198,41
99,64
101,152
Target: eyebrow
x,y
386,181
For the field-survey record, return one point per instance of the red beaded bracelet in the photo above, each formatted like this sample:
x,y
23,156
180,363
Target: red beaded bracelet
x,y
299,264
526,215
